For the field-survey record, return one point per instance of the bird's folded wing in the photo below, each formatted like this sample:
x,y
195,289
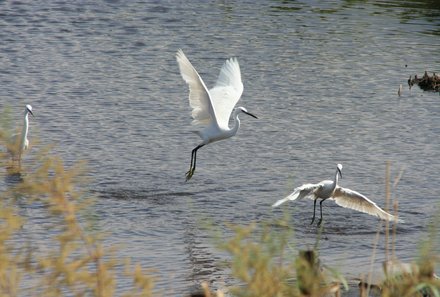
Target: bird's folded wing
x,y
301,192
202,109
354,200
227,91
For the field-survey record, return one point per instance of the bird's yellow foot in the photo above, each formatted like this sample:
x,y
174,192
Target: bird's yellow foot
x,y
189,174
319,223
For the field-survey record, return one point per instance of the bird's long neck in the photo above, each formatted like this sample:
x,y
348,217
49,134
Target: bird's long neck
x,y
335,181
24,131
234,129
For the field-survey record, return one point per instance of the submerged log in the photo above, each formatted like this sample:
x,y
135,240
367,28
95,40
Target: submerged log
x,y
426,83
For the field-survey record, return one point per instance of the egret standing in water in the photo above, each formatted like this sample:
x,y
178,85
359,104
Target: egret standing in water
x,y
20,142
212,108
329,189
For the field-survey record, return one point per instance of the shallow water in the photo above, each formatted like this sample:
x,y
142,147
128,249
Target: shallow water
x,y
321,77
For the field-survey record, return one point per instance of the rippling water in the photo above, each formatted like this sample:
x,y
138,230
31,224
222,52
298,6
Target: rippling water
x,y
321,77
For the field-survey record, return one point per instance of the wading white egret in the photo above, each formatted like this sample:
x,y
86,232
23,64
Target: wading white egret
x,y
329,189
19,142
212,108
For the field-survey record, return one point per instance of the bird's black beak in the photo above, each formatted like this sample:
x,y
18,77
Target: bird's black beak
x,y
248,113
340,172
30,111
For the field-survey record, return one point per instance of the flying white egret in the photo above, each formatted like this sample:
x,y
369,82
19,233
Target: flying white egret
x,y
20,142
212,109
329,189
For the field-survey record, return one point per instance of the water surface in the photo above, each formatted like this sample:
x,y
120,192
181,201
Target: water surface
x,y
321,77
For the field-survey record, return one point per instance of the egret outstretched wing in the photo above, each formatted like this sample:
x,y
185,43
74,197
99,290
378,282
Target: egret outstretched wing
x,y
212,108
301,192
203,112
227,91
351,199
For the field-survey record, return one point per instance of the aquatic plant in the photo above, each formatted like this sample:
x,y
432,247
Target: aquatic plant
x,y
74,261
417,278
405,279
264,264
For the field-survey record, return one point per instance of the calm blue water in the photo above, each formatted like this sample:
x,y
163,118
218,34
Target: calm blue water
x,y
321,77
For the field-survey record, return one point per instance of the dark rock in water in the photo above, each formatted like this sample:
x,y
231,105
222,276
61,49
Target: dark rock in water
x,y
426,83
313,278
197,294
205,292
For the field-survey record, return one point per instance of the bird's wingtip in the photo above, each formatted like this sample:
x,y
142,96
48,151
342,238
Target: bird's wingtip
x,y
394,219
179,53
276,204
233,59
279,202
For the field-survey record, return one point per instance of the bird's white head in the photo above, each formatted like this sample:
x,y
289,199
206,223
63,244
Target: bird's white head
x,y
339,167
29,109
244,110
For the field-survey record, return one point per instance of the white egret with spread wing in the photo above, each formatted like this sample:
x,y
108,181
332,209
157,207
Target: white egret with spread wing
x,y
212,108
329,189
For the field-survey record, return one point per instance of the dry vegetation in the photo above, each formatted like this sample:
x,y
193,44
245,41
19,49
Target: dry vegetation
x,y
77,263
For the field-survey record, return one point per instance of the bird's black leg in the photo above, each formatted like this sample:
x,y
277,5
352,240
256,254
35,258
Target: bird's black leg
x,y
320,207
192,159
314,207
189,173
195,156
192,167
